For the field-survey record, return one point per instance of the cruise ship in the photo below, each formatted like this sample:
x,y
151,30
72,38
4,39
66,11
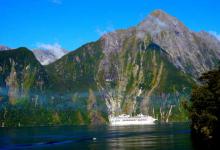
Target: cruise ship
x,y
123,120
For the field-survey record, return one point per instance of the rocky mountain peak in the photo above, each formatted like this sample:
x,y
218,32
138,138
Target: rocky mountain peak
x,y
3,48
159,21
164,17
192,52
159,12
47,56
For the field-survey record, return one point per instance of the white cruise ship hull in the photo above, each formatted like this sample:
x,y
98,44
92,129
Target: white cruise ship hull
x,y
126,121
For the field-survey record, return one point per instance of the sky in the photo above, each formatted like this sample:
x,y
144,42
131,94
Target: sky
x,y
72,23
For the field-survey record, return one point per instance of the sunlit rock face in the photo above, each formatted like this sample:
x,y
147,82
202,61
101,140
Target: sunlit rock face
x,y
192,52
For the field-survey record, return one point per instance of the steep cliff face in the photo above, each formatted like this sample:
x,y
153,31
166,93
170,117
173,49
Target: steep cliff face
x,y
192,52
131,78
137,79
21,75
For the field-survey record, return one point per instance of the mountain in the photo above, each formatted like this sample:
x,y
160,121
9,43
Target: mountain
x,y
21,75
23,83
4,48
26,98
127,81
192,52
149,68
47,56
142,68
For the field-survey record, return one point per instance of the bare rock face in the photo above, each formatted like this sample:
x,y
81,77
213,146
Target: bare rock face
x,y
192,52
46,57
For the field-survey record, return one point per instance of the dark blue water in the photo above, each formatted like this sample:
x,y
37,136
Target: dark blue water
x,y
174,136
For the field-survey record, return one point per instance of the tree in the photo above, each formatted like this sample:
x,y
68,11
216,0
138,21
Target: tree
x,y
204,110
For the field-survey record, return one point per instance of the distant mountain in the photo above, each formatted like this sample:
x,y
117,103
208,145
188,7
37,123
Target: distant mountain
x,y
4,48
44,55
47,56
149,68
26,98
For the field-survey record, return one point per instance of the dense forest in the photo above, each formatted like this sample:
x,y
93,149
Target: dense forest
x,y
205,109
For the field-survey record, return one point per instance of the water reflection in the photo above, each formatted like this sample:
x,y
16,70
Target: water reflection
x,y
162,136
150,137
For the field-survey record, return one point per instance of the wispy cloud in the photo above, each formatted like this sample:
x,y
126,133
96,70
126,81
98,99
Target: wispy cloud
x,y
217,35
58,2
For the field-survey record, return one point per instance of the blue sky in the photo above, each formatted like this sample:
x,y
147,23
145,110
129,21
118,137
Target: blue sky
x,y
72,23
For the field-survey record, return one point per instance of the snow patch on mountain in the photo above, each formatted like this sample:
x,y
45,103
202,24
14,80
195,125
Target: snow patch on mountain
x,y
49,53
4,48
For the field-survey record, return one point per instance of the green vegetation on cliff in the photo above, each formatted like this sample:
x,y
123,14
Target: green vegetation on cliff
x,y
21,75
75,89
76,71
31,95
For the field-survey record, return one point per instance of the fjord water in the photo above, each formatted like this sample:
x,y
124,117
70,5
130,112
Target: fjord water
x,y
175,136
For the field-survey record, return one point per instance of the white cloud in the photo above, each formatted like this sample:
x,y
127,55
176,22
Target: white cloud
x,y
58,2
217,35
55,49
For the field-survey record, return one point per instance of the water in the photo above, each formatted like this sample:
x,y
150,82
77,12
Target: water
x,y
174,136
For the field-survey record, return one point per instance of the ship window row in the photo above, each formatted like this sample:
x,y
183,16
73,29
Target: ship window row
x,y
131,120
